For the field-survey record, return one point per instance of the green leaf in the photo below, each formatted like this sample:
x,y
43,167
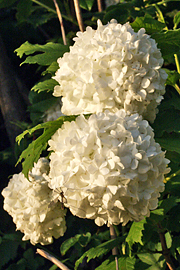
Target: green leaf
x,y
119,12
176,243
173,77
168,203
135,233
168,42
34,150
39,16
124,263
51,69
8,251
86,4
155,260
157,215
5,3
66,245
168,240
172,124
176,20
170,142
151,25
47,85
24,9
99,250
33,261
45,54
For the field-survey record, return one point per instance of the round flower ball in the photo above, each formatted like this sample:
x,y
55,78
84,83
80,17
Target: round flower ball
x,y
29,202
108,167
111,68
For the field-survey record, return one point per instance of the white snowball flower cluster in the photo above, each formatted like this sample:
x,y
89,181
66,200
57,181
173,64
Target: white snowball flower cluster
x,y
29,203
54,112
109,167
111,68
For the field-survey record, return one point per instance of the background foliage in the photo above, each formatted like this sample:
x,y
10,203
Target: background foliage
x,y
31,34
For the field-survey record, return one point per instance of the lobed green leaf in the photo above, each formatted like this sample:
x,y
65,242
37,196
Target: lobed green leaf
x,y
155,260
172,124
45,54
151,25
34,150
66,245
24,9
99,250
135,233
168,42
47,85
170,142
124,263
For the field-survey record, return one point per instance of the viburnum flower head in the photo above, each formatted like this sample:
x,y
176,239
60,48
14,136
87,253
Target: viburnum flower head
x,y
109,167
29,202
111,68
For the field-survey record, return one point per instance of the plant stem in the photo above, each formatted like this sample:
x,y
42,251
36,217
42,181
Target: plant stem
x,y
79,15
177,63
61,22
165,250
53,11
177,88
114,250
172,175
51,258
99,4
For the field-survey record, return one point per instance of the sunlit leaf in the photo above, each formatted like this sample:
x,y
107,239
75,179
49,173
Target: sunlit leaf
x,y
155,260
124,263
47,85
34,150
45,54
86,4
173,77
135,233
176,20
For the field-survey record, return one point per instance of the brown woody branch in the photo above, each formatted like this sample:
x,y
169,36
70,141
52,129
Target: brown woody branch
x,y
165,250
13,96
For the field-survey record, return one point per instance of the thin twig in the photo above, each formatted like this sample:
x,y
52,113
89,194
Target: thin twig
x,y
68,18
99,4
114,250
48,256
79,15
165,250
61,22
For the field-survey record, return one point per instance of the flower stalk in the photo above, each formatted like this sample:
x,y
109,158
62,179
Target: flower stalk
x,y
79,15
61,22
99,4
51,258
115,249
